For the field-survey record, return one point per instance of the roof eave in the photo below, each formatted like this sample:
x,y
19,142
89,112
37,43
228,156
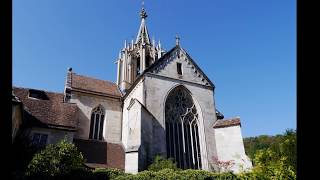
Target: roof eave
x,y
95,93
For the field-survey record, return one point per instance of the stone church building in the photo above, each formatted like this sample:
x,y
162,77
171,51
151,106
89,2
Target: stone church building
x,y
162,104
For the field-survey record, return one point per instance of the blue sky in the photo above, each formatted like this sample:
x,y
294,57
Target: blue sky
x,y
247,48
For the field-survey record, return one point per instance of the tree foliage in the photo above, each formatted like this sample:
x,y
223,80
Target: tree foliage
x,y
278,158
56,159
160,163
274,157
269,166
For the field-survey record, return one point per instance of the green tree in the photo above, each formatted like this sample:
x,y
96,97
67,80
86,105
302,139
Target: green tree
x,y
160,163
268,166
274,157
60,158
288,148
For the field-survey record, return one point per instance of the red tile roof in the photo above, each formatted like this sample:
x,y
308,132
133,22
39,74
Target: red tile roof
x,y
221,123
52,111
94,85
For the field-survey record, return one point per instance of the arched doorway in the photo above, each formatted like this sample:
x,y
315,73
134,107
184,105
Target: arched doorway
x,y
182,134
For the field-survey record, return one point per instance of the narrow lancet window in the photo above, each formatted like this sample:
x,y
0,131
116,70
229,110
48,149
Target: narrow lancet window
x,y
179,68
96,123
138,66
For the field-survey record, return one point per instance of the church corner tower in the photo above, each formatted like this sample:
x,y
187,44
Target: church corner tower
x,y
137,56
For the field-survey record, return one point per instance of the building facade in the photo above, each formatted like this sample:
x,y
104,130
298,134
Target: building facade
x,y
162,104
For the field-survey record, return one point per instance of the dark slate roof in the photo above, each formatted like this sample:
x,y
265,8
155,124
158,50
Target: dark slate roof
x,y
79,82
221,123
50,112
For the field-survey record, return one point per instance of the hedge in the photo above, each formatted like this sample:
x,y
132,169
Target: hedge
x,y
164,174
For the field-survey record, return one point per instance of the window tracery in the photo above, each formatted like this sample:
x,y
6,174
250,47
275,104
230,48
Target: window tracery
x,y
182,136
96,123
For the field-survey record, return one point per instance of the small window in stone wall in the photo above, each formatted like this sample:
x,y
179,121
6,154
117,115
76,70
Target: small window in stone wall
x,y
179,68
96,123
138,67
39,139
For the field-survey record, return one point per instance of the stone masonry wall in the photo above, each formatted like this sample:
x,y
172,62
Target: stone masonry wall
x,y
112,121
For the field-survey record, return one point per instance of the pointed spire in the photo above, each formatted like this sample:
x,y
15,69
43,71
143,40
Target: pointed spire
x,y
143,35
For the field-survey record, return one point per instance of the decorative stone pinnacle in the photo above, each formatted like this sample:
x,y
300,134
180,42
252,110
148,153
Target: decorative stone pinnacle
x,y
177,40
143,13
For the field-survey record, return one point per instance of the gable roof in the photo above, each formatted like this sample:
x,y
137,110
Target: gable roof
x,y
221,123
161,61
89,84
177,48
50,113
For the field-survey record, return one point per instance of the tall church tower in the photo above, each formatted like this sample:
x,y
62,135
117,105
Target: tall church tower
x,y
135,57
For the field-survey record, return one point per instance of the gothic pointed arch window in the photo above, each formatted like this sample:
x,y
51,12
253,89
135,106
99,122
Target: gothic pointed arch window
x,y
96,123
182,134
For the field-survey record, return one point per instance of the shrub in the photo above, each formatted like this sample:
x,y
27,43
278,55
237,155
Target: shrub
x,y
55,159
170,174
76,173
110,173
160,163
270,168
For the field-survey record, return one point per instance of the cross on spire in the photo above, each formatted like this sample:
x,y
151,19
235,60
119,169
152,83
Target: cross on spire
x,y
143,13
177,40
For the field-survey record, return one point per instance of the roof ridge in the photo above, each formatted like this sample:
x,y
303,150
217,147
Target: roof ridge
x,y
95,78
221,123
47,91
230,119
87,83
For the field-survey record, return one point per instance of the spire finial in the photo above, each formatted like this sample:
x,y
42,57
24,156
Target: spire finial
x,y
177,40
143,13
